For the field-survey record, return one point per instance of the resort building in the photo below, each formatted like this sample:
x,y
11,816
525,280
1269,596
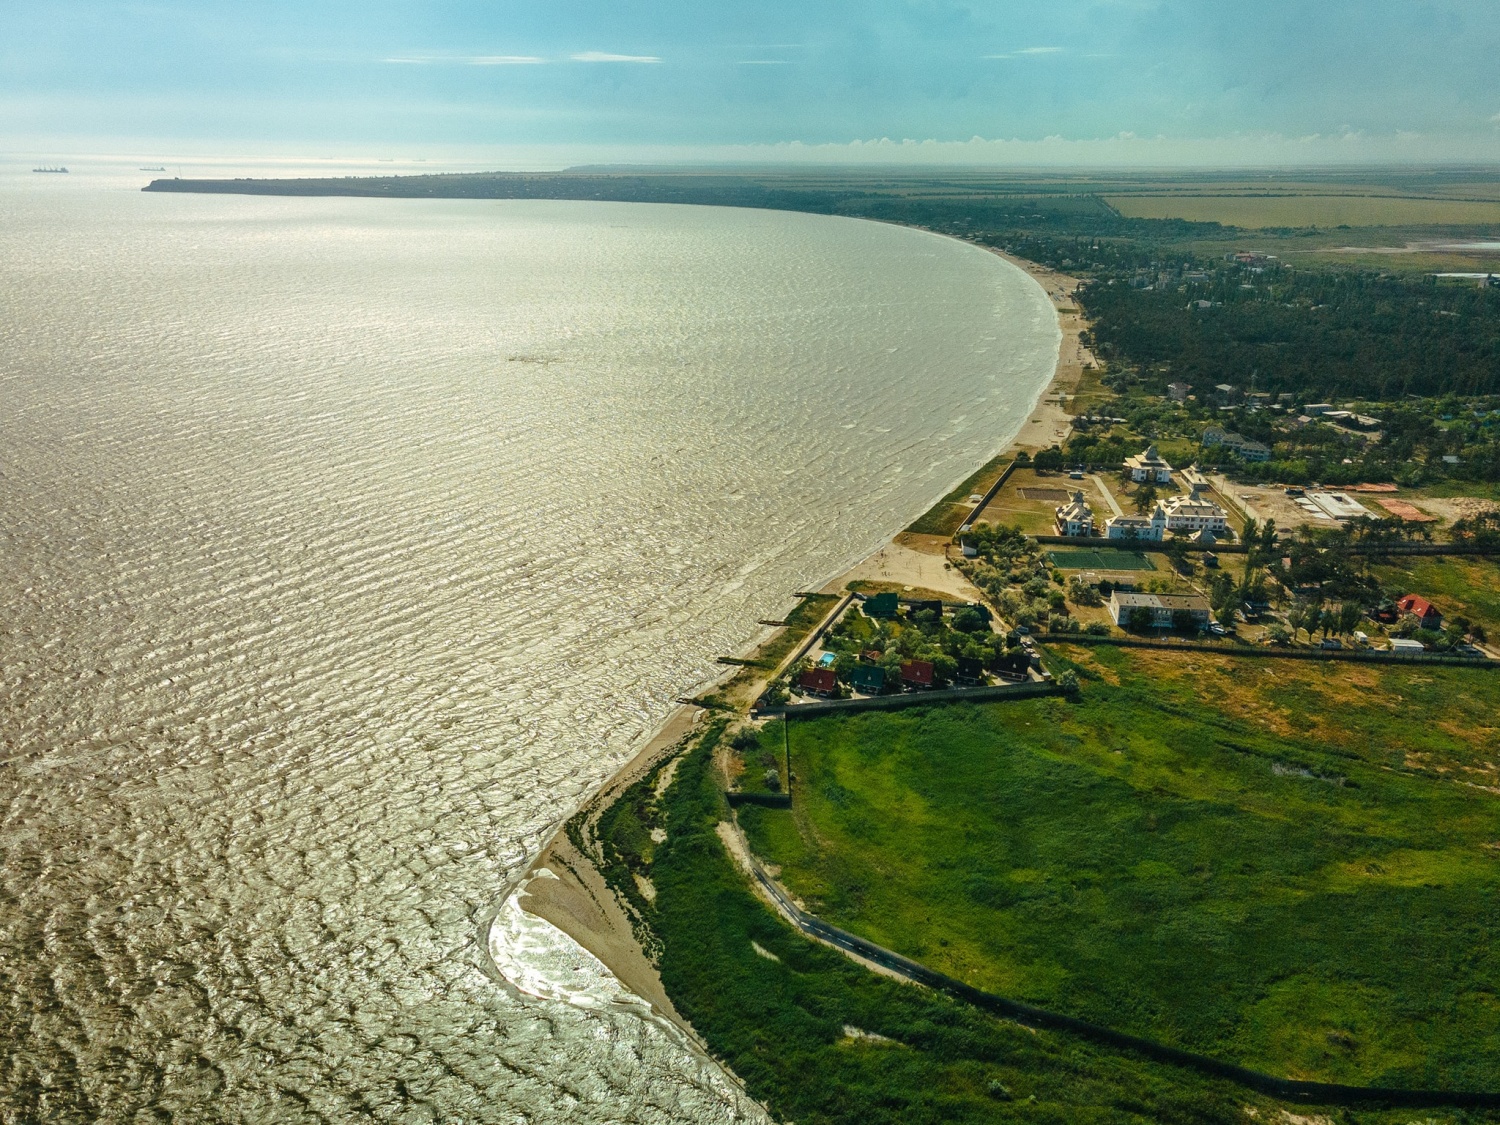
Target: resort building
x,y
1075,517
1244,448
1161,607
1153,527
1149,466
1195,513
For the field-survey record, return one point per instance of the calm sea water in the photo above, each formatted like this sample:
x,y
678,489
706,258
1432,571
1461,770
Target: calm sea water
x,y
345,546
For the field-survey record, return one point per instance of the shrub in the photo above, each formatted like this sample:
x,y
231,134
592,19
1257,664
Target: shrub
x,y
746,738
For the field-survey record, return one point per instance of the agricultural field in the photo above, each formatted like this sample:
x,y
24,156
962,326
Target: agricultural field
x,y
1291,867
1255,211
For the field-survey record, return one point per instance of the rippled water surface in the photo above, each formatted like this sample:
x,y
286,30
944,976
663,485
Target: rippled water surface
x,y
346,545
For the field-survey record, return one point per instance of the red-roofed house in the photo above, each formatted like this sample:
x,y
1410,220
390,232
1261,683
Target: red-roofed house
x,y
819,681
1422,609
917,674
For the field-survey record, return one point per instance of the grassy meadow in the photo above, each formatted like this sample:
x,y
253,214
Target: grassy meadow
x,y
1460,586
822,1041
1294,868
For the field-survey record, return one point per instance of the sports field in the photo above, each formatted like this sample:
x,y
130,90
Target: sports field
x,y
1258,211
1099,559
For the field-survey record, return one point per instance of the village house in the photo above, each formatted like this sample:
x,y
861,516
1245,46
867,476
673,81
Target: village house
x,y
917,675
867,678
1075,517
1178,392
1152,528
1149,466
1422,609
818,681
1161,607
1195,513
1226,394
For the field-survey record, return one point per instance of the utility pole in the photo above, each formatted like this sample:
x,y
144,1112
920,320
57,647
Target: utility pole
x,y
786,742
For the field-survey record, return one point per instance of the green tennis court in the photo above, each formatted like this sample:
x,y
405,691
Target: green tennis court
x,y
1089,559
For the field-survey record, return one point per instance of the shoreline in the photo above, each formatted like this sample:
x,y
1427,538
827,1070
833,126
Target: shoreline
x,y
576,899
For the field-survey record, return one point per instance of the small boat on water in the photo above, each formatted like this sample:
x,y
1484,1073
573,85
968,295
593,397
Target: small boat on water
x,y
58,169
158,168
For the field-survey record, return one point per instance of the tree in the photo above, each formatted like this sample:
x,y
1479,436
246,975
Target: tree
x,y
1068,681
1048,459
1145,498
1140,619
1350,614
1182,620
1279,635
1225,608
968,620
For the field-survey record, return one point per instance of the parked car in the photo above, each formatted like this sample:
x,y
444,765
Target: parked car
x,y
1330,642
1217,630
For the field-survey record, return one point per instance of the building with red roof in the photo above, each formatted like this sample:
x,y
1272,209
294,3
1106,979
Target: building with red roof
x,y
1422,609
819,681
917,673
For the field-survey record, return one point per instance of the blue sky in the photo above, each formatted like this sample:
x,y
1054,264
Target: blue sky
x,y
1157,80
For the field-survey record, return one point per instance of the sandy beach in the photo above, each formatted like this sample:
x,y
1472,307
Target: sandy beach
x,y
578,901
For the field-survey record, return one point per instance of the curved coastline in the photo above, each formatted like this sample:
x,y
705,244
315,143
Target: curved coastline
x,y
563,887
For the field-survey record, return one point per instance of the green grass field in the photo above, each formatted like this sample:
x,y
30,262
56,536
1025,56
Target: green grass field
x,y
822,1041
1309,210
948,514
1458,586
1185,854
1099,559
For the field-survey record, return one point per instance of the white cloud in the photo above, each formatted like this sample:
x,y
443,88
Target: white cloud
x,y
1026,52
466,60
1495,120
604,56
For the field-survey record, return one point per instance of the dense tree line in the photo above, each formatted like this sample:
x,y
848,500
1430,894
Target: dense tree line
x,y
1311,334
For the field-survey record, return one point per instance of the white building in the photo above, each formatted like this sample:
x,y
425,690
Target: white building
x,y
1247,449
1161,607
1075,517
1152,527
1339,505
1149,466
1195,513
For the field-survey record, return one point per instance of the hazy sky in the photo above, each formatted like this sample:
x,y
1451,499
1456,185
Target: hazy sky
x,y
1142,79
